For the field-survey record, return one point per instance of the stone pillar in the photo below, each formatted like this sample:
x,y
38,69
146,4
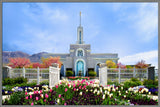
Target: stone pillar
x,y
23,72
54,75
151,73
103,74
38,76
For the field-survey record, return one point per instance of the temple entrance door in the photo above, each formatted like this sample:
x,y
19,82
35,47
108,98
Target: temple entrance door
x,y
80,68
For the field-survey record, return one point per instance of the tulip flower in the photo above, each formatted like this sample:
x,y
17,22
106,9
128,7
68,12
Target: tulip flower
x,y
27,98
37,98
50,90
46,95
65,89
59,96
30,96
26,93
44,100
32,104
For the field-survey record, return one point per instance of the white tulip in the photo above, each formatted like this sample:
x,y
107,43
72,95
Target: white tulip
x,y
149,93
13,89
128,100
42,95
80,93
126,91
107,93
116,88
6,92
124,96
121,88
98,92
58,101
86,90
103,96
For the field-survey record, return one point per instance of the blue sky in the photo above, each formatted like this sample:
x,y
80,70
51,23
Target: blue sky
x,y
129,29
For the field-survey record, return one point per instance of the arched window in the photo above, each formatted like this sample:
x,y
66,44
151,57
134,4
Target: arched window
x,y
80,53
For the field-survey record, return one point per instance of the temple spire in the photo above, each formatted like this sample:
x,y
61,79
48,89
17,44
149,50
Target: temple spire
x,y
80,17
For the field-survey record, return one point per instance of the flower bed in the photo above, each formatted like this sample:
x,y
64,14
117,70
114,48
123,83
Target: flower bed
x,y
78,77
83,92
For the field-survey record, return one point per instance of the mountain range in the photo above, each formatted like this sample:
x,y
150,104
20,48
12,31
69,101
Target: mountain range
x,y
33,58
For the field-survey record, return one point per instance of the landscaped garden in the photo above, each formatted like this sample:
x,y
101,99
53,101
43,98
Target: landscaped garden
x,y
79,92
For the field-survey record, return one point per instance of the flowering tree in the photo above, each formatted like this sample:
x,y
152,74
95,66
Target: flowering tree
x,y
48,61
19,62
110,64
121,65
141,64
37,64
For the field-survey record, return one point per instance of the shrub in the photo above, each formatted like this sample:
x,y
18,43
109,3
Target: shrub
x,y
8,81
44,82
13,81
15,98
69,73
132,83
92,73
150,83
20,80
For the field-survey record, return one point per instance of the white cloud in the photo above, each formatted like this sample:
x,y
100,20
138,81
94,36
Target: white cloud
x,y
143,20
150,57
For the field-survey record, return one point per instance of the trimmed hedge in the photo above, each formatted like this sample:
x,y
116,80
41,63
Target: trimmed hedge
x,y
92,73
132,83
12,81
69,73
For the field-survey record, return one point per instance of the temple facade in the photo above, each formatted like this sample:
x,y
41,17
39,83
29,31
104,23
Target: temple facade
x,y
80,59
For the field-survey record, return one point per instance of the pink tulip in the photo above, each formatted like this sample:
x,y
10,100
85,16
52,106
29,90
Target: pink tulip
x,y
80,87
37,92
59,95
91,82
56,86
65,104
34,92
40,91
60,82
78,84
44,100
74,85
46,95
86,83
37,98
32,104
30,96
50,90
27,97
26,93
62,98
65,89
74,89
68,85
73,81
